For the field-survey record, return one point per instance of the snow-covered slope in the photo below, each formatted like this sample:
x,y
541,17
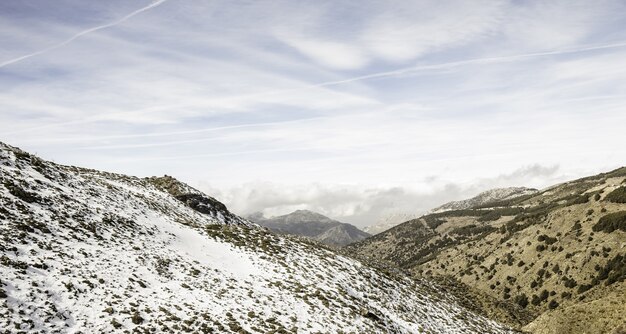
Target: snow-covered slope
x,y
93,252
388,221
492,195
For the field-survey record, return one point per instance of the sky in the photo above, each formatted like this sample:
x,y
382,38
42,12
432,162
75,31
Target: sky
x,y
354,109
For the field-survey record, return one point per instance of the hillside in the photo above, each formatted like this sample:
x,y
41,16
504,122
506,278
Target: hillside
x,y
488,196
558,255
94,252
312,225
388,221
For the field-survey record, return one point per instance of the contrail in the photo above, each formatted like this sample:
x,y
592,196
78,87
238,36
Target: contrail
x,y
419,68
82,33
202,130
222,154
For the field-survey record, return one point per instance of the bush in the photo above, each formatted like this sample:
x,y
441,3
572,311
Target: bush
x,y
584,287
553,304
576,199
614,270
472,230
497,213
617,196
547,239
521,300
611,222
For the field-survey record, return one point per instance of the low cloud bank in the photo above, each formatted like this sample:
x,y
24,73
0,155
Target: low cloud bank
x,y
363,206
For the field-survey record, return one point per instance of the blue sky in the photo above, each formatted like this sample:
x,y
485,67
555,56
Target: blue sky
x,y
355,109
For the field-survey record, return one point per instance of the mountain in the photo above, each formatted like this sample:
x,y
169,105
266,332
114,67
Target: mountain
x,y
552,261
389,221
312,225
94,252
492,195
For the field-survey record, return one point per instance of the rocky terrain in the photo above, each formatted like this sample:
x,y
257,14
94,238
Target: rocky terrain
x,y
312,225
552,261
84,251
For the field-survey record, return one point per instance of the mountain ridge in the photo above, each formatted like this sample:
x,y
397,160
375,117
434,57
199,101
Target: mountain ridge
x,y
485,197
546,253
91,251
312,225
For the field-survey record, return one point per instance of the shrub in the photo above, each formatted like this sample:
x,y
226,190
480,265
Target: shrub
x,y
136,318
570,282
521,300
473,230
497,213
547,239
617,196
577,199
584,287
553,304
535,300
614,270
611,222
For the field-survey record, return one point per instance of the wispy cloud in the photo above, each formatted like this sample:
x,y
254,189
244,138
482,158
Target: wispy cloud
x,y
379,95
362,205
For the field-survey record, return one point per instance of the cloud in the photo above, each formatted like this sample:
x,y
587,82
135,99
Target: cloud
x,y
556,24
328,53
362,205
396,32
381,103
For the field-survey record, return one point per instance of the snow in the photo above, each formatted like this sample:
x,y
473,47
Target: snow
x,y
94,249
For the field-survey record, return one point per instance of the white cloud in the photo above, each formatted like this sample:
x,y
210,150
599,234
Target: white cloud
x,y
329,53
409,103
362,205
544,25
396,32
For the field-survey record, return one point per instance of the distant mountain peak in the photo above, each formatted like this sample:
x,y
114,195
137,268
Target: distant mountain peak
x,y
312,225
485,197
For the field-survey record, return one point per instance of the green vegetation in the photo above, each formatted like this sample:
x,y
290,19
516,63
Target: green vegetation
x,y
547,239
459,213
536,213
433,222
576,199
505,203
521,300
473,230
617,196
611,222
613,271
497,213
